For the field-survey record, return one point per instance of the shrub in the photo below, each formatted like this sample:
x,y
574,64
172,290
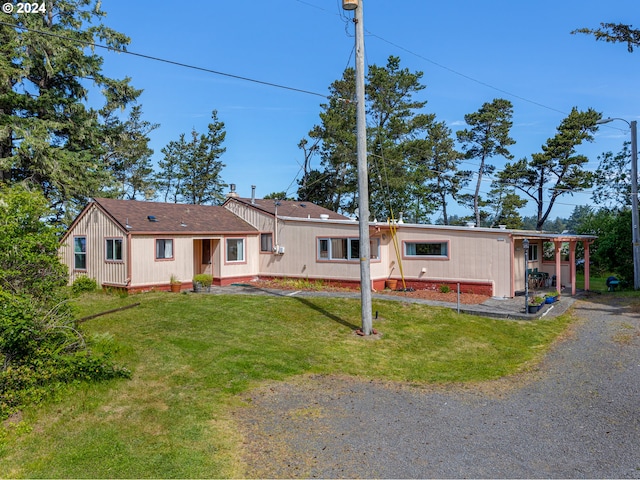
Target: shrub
x,y
83,284
444,288
203,279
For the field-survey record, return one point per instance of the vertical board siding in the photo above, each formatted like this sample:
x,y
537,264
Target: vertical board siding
x,y
96,227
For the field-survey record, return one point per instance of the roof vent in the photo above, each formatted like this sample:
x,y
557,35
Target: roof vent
x,y
324,216
471,224
152,218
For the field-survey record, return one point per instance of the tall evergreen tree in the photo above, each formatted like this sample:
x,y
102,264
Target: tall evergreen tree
x,y
334,185
558,169
49,137
435,163
487,137
394,120
128,155
191,169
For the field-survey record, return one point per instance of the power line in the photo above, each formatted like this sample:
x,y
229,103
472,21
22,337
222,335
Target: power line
x,y
170,62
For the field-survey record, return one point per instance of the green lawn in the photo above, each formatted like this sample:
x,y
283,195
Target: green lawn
x,y
192,355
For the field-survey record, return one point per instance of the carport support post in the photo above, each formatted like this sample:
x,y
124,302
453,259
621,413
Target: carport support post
x,y
525,248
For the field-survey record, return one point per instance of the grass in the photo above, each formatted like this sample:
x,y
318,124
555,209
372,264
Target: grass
x,y
193,355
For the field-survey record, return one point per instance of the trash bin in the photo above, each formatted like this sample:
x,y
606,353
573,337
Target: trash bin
x,y
553,281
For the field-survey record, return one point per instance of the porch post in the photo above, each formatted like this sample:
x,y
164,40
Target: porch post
x,y
586,244
558,247
572,265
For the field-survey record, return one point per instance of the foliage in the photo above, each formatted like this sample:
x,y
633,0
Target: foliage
x,y
394,118
444,288
128,155
197,356
190,170
83,284
537,300
41,345
277,196
397,159
334,187
174,280
203,279
613,249
435,162
559,168
49,137
614,33
487,137
612,179
29,263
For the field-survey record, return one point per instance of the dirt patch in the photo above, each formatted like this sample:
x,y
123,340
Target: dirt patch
x,y
434,295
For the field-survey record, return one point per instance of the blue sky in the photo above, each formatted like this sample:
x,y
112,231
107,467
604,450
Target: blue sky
x,y
470,52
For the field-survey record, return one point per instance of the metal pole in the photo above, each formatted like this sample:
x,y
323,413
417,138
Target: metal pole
x,y
634,205
635,235
363,178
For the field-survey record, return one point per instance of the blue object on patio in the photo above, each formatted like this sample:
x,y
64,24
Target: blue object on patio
x,y
612,283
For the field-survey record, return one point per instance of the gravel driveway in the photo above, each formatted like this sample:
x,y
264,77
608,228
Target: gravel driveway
x,y
576,416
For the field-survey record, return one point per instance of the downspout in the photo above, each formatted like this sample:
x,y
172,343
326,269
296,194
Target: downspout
x,y
275,228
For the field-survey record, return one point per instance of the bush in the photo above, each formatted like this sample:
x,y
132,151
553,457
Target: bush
x,y
444,288
83,284
203,279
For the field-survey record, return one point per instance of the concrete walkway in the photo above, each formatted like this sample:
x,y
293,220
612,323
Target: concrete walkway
x,y
509,308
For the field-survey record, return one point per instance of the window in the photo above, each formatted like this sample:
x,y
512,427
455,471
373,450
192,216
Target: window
x,y
266,242
164,248
80,253
354,248
426,249
533,253
235,249
113,249
345,248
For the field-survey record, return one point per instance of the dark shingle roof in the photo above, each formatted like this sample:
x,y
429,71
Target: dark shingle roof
x,y
290,208
170,217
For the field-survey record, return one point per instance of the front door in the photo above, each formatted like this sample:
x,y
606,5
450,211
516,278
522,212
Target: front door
x,y
207,257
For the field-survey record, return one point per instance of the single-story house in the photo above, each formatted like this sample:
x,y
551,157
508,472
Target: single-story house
x,y
139,245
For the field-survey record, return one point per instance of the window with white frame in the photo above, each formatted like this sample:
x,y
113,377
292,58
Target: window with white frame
x,y
235,249
113,249
426,249
345,248
164,248
266,242
80,253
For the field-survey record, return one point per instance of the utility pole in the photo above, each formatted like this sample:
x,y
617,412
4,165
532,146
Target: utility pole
x,y
363,177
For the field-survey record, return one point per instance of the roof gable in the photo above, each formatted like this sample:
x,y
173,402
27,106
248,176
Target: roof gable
x,y
289,208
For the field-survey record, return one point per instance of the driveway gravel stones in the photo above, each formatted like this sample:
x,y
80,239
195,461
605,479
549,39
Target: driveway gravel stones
x,y
576,415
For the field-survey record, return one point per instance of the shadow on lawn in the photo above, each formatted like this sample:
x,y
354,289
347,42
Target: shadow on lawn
x,y
326,313
305,301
